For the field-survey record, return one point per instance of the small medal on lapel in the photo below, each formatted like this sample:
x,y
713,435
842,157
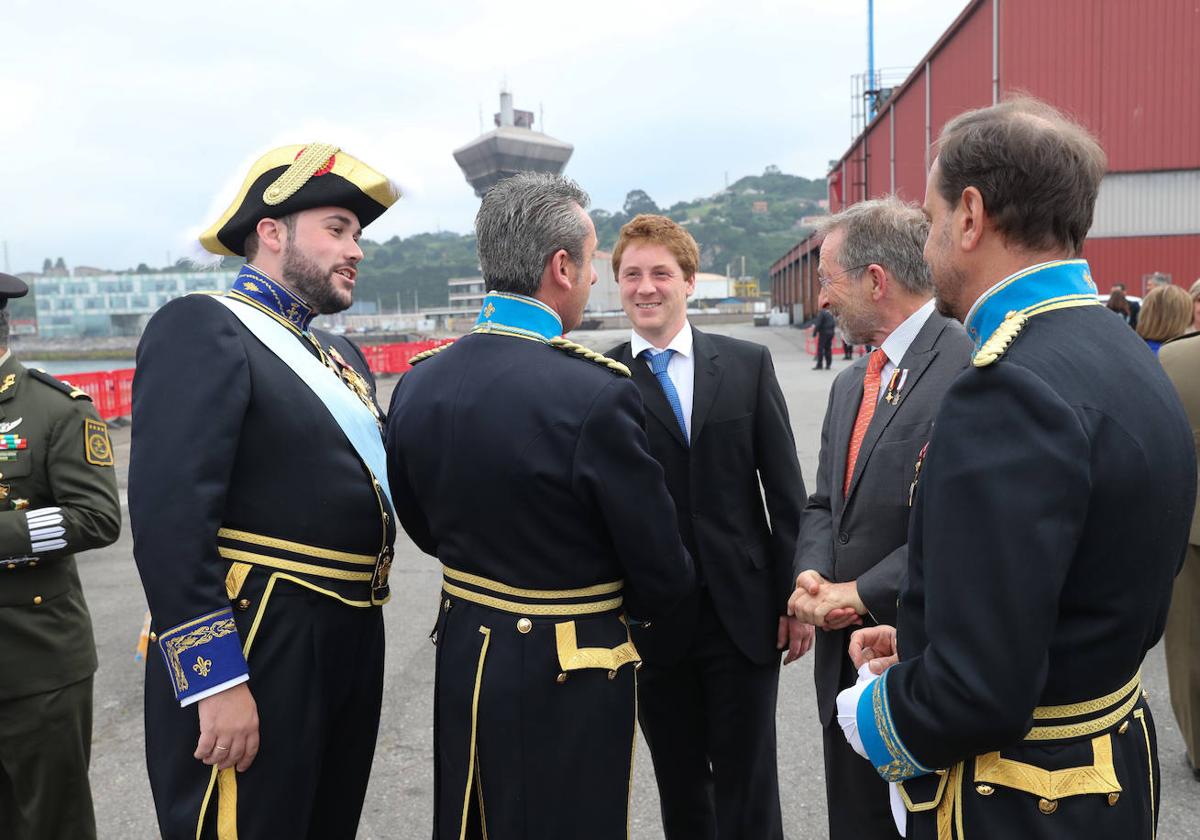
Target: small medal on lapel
x,y
895,384
3,492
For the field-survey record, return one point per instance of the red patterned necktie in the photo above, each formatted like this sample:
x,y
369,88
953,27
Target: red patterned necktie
x,y
866,410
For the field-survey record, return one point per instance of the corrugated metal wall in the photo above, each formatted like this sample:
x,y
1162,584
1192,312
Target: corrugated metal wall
x,y
961,71
910,141
1127,259
1148,204
1127,70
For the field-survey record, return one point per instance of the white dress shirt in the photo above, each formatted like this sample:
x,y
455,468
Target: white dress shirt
x,y
897,344
681,369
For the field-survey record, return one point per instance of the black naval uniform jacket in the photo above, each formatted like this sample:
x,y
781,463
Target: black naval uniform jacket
x,y
523,467
234,459
1051,516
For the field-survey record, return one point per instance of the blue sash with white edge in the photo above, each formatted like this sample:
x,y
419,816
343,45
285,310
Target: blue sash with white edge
x,y
354,418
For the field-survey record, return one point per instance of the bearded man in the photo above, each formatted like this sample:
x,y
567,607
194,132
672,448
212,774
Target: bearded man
x,y
262,521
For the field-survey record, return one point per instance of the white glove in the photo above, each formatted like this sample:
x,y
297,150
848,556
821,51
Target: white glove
x,y
847,715
847,708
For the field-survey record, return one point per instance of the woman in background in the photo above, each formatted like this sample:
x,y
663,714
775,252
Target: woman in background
x,y
1167,313
1117,303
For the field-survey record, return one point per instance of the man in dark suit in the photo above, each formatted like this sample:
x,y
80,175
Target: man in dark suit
x,y
1016,707
518,459
855,526
718,424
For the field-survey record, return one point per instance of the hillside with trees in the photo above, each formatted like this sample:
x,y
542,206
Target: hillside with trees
x,y
756,218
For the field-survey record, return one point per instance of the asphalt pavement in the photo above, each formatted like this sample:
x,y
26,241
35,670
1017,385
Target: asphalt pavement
x,y
399,799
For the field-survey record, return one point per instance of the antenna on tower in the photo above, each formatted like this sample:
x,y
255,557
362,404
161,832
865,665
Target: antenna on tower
x,y
542,117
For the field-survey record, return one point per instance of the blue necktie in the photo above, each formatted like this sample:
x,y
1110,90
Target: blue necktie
x,y
658,364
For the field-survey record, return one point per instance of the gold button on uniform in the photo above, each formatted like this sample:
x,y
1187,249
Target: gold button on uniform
x,y
1123,728
154,637
1047,806
560,679
37,599
12,566
1113,797
244,604
524,625
984,790
446,605
612,675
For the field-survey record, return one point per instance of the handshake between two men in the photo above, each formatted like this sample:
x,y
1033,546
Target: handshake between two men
x,y
836,606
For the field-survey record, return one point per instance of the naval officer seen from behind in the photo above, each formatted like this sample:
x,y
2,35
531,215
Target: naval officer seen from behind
x,y
519,459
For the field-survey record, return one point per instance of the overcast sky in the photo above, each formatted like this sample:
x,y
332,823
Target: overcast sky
x,y
123,124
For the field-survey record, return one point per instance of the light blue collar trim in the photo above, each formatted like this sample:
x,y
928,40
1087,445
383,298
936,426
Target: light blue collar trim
x,y
504,312
1029,291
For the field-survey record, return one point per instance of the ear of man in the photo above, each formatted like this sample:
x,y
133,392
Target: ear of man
x,y
972,220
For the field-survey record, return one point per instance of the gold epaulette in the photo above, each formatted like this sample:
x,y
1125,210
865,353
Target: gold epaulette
x,y
569,346
999,341
427,354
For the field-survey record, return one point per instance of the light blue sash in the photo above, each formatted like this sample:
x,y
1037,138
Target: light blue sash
x,y
355,420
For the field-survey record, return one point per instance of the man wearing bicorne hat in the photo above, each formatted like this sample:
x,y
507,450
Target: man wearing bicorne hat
x,y
262,520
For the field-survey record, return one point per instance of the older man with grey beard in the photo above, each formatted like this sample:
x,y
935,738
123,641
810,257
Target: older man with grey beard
x,y
852,549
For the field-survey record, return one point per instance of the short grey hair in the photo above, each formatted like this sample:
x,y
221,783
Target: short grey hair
x,y
887,232
522,222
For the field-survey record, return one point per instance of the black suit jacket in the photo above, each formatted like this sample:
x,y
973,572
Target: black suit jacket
x,y
863,536
741,436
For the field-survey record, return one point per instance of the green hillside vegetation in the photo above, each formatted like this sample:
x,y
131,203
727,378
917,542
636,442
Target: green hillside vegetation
x,y
399,273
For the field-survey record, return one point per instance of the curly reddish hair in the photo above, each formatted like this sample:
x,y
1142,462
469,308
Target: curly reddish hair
x,y
647,228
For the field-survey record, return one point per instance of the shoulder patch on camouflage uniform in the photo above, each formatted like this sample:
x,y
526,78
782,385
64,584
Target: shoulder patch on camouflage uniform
x,y
999,341
427,354
70,390
568,346
96,447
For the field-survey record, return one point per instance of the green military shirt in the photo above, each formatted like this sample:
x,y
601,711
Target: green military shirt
x,y
58,496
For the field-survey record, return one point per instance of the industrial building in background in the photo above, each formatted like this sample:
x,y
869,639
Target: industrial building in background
x,y
1125,70
511,148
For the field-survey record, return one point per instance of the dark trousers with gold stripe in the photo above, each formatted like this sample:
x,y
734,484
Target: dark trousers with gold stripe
x,y
533,726
316,673
1099,785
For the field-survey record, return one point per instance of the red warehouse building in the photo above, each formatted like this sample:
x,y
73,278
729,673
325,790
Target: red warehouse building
x,y
1128,71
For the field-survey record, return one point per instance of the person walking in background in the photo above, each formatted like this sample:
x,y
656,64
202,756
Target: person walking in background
x,y
1180,358
1119,304
58,498
1167,312
852,552
823,328
717,422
